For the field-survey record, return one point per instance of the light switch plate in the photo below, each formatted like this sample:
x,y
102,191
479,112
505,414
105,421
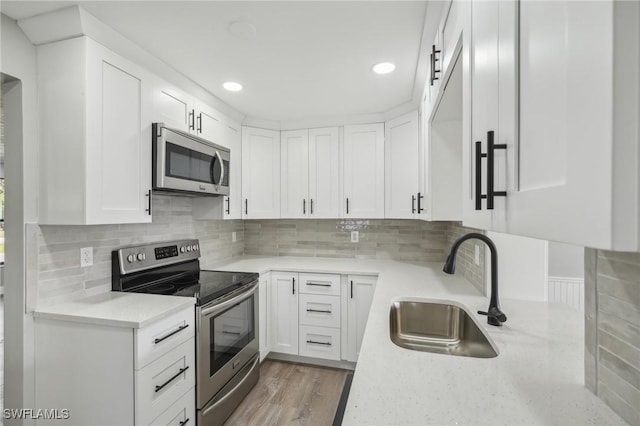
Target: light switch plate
x,y
355,236
86,256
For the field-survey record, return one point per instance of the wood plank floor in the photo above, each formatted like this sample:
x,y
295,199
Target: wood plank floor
x,y
291,394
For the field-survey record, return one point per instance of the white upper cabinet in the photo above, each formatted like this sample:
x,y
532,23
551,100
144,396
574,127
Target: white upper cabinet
x,y
171,106
310,178
95,128
324,173
294,163
260,173
401,167
209,124
363,171
570,165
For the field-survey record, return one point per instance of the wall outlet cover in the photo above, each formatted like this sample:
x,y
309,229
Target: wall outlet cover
x,y
86,256
355,236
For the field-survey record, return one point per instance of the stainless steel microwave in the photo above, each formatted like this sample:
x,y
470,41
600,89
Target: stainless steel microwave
x,y
186,163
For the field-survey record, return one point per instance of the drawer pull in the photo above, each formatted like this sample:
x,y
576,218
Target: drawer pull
x,y
178,330
318,284
319,343
184,422
178,374
318,310
231,332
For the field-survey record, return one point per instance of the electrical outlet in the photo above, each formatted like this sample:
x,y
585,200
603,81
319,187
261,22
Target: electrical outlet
x,y
234,237
86,256
476,259
355,236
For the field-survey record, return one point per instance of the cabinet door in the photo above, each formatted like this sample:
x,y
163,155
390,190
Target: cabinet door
x,y
118,148
284,313
171,106
210,125
232,205
264,308
563,162
324,173
360,294
423,157
401,166
294,181
364,171
260,173
482,76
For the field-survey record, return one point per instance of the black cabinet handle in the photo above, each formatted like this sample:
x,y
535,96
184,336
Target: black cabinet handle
x,y
184,422
304,206
200,123
491,151
182,370
178,330
490,156
413,204
192,119
318,310
420,197
318,284
228,205
352,289
434,59
347,205
311,202
293,286
148,209
246,206
319,343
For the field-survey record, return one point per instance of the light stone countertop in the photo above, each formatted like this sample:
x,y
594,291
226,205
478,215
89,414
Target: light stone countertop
x,y
537,378
132,310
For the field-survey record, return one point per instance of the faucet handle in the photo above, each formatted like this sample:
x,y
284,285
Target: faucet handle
x,y
495,316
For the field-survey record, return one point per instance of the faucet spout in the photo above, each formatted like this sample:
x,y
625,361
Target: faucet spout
x,y
494,315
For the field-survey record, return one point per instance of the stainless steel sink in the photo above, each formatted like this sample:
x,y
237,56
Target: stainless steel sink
x,y
438,327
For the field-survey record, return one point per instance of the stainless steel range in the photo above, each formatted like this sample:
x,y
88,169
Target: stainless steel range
x,y
226,317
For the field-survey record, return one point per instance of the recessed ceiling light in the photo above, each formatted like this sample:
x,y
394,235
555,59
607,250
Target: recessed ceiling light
x,y
383,68
232,86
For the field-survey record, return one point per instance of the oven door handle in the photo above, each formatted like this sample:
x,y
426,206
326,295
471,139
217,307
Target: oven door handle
x,y
212,310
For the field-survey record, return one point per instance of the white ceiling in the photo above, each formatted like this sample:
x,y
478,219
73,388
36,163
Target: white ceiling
x,y
307,60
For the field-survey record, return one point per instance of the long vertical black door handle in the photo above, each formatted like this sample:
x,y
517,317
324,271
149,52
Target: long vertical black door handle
x,y
228,205
413,204
311,205
304,206
347,205
491,152
192,119
148,210
293,286
478,180
352,289
246,206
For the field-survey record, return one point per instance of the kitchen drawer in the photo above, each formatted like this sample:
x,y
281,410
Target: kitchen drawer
x,y
328,284
160,337
319,342
180,413
317,310
164,381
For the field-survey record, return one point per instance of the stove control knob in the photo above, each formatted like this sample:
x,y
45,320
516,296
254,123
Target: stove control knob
x,y
131,258
182,249
195,247
188,248
141,256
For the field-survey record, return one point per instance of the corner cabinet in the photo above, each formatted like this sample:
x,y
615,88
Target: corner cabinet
x,y
363,171
95,135
310,179
565,142
260,173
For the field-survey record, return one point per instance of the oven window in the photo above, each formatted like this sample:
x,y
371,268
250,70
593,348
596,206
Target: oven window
x,y
231,331
184,163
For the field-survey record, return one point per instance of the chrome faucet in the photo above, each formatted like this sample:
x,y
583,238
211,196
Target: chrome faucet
x,y
494,315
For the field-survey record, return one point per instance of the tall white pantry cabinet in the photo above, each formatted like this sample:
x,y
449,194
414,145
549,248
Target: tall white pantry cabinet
x,y
556,86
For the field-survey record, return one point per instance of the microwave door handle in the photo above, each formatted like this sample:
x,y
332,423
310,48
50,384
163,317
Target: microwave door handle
x,y
221,167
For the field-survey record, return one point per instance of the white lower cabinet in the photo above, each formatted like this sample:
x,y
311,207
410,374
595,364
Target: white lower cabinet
x,y
358,295
283,315
147,373
317,315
